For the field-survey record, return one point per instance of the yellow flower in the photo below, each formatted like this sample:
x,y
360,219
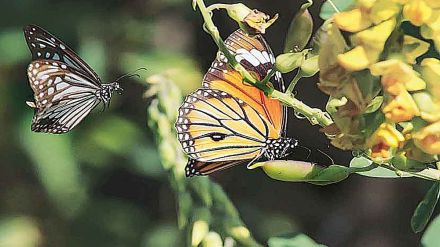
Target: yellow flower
x,y
435,4
395,72
384,141
355,59
401,108
428,138
431,74
366,13
429,109
413,48
431,30
352,21
417,12
369,45
383,10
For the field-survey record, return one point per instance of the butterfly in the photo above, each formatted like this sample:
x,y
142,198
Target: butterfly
x,y
227,122
66,89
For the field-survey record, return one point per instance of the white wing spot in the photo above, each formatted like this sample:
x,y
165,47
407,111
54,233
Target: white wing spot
x,y
61,85
243,54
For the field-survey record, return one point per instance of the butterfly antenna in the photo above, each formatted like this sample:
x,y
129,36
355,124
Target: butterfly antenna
x,y
306,148
131,74
328,156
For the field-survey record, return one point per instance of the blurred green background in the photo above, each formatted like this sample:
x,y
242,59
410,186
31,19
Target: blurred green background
x,y
103,185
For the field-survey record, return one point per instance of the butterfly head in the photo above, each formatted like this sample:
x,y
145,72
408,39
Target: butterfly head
x,y
116,87
280,148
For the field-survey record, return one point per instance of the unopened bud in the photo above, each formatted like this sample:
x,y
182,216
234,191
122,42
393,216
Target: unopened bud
x,y
287,62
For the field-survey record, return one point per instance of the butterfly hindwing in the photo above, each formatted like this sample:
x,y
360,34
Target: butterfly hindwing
x,y
63,117
199,168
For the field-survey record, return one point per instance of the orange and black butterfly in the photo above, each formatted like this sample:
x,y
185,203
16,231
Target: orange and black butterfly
x,y
227,122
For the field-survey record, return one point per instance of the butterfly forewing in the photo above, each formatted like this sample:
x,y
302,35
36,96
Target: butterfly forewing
x,y
256,56
44,45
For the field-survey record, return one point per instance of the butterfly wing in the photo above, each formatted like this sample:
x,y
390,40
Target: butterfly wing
x,y
199,168
44,45
256,56
215,126
62,97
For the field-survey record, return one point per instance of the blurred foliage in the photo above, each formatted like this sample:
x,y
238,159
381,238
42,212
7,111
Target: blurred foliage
x,y
103,184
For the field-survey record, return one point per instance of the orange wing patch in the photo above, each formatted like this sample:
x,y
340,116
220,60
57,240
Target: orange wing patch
x,y
255,55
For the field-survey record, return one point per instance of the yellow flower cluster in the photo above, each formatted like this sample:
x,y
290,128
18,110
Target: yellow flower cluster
x,y
409,93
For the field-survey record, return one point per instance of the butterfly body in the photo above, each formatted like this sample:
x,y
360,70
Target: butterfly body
x,y
65,88
228,122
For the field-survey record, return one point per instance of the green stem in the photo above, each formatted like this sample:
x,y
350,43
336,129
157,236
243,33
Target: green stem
x,y
370,167
333,6
428,174
315,116
294,81
217,6
268,76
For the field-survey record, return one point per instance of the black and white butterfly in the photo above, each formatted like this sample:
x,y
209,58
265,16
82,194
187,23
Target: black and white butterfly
x,y
65,88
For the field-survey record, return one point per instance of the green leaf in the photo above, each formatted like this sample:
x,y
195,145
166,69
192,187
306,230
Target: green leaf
x,y
378,172
296,240
374,104
431,237
328,10
330,175
300,30
424,210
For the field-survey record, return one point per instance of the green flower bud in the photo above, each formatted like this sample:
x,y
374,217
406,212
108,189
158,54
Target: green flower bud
x,y
287,62
302,171
403,163
238,11
199,231
300,30
185,206
429,109
251,21
212,239
310,66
